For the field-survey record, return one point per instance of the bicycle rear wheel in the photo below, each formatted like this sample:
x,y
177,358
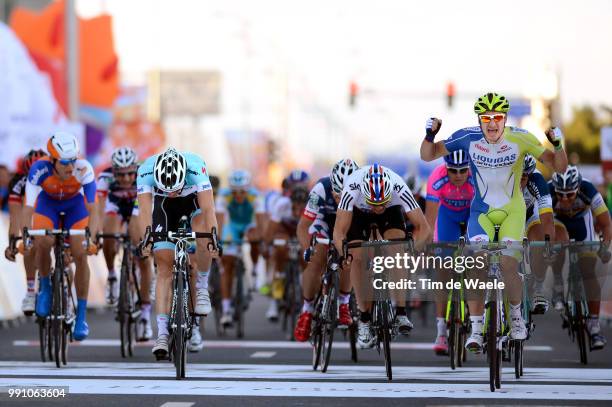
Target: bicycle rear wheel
x,y
239,302
353,328
317,334
518,358
43,338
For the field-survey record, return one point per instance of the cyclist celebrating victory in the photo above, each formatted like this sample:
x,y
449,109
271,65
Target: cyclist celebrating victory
x,y
496,154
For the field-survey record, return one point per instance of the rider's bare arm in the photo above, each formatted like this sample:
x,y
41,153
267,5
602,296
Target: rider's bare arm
x,y
343,223
556,161
422,231
302,231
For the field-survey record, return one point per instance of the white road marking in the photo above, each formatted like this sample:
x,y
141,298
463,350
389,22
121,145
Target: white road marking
x,y
321,389
263,345
263,355
300,372
178,404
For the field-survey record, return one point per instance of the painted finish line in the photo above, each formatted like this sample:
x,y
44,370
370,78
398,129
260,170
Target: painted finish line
x,y
262,345
324,389
300,372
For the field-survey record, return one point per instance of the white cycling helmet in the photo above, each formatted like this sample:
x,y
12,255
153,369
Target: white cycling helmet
x,y
123,157
63,146
342,169
170,171
570,180
376,185
239,179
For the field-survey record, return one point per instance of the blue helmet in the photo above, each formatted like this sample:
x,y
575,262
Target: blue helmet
x,y
239,179
457,159
296,177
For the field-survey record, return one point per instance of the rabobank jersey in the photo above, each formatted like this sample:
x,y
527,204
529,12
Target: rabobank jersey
x,y
321,203
241,213
496,168
43,178
587,199
536,192
440,189
196,179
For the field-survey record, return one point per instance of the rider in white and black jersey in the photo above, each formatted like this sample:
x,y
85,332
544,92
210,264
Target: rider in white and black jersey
x,y
376,195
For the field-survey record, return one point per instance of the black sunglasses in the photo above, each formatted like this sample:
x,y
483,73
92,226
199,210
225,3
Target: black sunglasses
x,y
457,171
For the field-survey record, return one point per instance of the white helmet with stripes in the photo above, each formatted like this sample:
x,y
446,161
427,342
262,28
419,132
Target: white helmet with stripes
x,y
342,169
170,171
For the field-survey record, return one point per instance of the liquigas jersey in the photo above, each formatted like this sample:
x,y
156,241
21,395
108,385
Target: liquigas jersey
x,y
496,168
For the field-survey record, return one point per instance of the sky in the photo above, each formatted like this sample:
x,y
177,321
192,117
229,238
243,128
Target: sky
x,y
286,65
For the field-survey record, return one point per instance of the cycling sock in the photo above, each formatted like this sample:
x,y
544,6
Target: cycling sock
x,y
365,316
515,311
593,324
476,325
202,281
344,297
538,286
441,326
112,273
81,309
162,324
31,285
226,304
307,307
45,284
145,311
400,310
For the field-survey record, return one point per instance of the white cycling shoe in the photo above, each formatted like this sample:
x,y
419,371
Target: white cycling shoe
x,y
518,330
195,343
365,337
202,306
29,303
474,343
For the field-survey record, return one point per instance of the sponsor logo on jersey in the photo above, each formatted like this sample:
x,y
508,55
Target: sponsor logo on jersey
x,y
204,170
440,183
354,186
159,228
504,147
145,174
482,148
484,161
192,172
397,188
39,173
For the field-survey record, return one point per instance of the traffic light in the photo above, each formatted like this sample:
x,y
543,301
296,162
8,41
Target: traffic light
x,y
353,91
450,94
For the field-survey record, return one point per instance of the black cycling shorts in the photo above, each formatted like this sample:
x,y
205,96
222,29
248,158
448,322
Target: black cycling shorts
x,y
392,218
167,213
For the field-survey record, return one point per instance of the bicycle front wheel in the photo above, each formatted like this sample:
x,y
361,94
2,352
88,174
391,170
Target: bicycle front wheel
x,y
385,332
492,353
179,330
580,331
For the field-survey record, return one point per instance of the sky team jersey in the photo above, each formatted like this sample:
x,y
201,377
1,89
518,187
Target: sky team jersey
x,y
108,187
536,192
496,168
196,179
440,189
42,177
353,197
321,203
587,199
241,213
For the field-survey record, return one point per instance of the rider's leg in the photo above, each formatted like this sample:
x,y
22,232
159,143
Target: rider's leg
x,y
227,280
311,282
561,235
81,279
535,233
164,258
112,224
203,262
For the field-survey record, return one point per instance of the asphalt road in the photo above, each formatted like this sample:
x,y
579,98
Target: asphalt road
x,y
265,369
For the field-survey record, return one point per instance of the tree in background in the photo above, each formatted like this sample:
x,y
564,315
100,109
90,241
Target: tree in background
x,y
583,132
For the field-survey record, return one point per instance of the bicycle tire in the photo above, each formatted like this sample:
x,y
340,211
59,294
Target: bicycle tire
x,y
294,308
331,322
43,338
385,331
462,353
239,300
178,332
518,354
50,345
580,331
56,321
491,315
122,309
353,329
316,336
65,327
453,333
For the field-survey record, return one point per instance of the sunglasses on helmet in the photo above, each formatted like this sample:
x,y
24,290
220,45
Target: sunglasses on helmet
x,y
486,118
